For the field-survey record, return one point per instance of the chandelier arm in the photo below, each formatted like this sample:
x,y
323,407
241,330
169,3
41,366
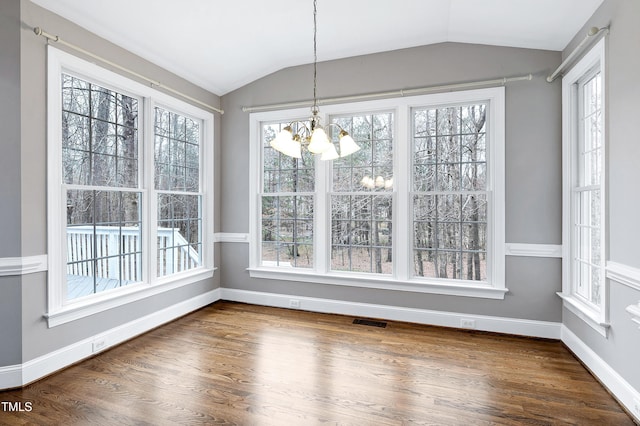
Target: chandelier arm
x,y
335,124
305,128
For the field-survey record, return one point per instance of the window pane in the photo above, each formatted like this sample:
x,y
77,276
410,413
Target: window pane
x,y
361,230
75,95
179,233
104,241
361,224
587,257
99,135
370,168
287,221
287,231
177,152
280,172
450,205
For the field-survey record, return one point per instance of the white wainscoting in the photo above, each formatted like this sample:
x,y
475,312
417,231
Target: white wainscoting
x,y
20,375
545,329
13,266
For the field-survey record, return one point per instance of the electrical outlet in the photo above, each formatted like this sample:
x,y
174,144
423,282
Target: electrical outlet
x,y
467,323
294,303
98,345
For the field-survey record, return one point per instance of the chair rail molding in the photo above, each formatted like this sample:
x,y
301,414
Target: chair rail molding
x,y
634,311
624,274
13,266
231,237
533,250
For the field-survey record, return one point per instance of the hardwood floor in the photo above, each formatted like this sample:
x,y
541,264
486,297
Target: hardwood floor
x,y
232,363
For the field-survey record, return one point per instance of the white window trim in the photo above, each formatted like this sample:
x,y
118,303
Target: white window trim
x,y
598,319
60,311
401,279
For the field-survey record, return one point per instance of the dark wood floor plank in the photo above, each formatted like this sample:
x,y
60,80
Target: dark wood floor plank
x,y
232,363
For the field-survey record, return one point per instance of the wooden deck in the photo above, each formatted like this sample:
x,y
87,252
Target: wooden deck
x,y
79,286
236,364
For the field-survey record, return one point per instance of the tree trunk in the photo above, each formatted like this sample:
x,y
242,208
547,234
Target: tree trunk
x,y
377,251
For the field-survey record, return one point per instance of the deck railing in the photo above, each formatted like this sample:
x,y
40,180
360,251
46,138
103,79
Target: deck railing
x,y
115,252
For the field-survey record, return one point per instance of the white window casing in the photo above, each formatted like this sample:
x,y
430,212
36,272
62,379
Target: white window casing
x,y
584,282
61,309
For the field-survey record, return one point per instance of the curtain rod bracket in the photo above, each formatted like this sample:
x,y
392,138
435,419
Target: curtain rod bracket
x,y
593,32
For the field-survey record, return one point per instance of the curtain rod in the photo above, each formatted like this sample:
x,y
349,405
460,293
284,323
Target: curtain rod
x,y
155,83
395,93
593,31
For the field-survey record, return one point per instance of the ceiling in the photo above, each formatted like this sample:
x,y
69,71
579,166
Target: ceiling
x,y
222,45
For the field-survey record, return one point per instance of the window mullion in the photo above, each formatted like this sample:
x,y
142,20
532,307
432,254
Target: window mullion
x,y
150,195
402,199
322,217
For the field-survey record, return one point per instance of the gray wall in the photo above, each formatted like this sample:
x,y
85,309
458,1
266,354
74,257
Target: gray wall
x,y
23,300
10,127
533,143
621,349
10,336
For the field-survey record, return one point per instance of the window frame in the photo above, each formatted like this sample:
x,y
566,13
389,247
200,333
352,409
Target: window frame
x,y
59,309
594,61
402,278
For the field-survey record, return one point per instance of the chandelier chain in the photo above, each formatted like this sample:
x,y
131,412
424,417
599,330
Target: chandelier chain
x,y
312,134
315,57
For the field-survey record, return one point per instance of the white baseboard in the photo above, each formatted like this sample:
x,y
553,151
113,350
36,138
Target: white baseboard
x,y
20,375
10,376
615,383
521,327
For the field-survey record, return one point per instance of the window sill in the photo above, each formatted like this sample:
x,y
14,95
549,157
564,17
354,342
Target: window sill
x,y
113,299
458,288
585,313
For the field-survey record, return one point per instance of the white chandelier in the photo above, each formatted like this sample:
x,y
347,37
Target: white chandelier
x,y
313,136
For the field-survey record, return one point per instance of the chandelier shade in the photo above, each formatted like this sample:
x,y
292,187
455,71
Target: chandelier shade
x,y
319,141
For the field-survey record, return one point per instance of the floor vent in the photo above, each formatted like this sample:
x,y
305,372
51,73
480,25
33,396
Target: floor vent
x,y
371,323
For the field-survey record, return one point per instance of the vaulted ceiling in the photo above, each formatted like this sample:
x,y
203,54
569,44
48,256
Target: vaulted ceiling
x,y
222,45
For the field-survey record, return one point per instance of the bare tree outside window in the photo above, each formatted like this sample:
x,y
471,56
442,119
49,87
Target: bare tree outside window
x,y
287,204
588,259
361,197
102,176
449,179
177,181
100,170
